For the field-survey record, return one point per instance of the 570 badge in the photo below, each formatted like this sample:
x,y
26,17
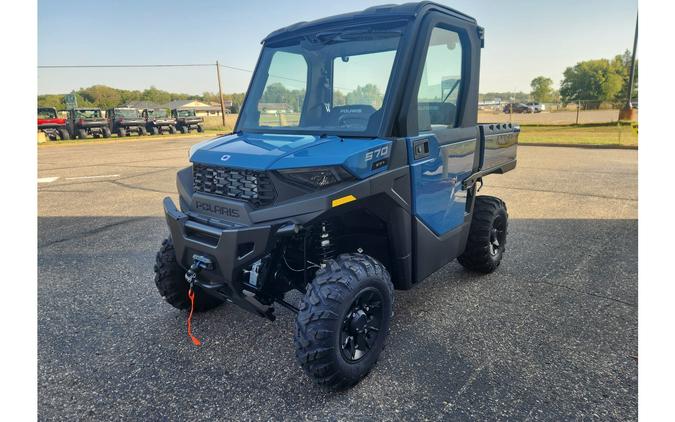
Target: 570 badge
x,y
378,156
378,153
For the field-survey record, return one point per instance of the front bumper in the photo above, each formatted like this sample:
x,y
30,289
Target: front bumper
x,y
231,250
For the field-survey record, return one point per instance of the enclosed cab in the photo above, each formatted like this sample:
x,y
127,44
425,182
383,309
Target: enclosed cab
x,y
353,170
84,122
187,120
124,121
158,121
53,126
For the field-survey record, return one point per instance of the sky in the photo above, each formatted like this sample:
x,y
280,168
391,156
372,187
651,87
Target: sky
x,y
523,39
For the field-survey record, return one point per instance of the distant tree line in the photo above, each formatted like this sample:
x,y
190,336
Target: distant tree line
x,y
591,82
106,97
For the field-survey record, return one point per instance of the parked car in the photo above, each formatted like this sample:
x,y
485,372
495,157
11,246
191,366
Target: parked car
x,y
518,108
538,107
48,121
123,121
83,122
157,120
187,120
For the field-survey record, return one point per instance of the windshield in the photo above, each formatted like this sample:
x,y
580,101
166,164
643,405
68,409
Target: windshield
x,y
88,114
129,113
185,113
326,83
46,113
158,113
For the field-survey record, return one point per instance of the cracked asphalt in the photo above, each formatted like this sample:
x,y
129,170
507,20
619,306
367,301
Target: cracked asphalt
x,y
551,335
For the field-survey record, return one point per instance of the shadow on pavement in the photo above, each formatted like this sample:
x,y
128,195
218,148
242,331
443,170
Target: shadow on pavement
x,y
552,334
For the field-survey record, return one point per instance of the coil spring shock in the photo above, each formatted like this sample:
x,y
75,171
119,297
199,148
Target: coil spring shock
x,y
326,242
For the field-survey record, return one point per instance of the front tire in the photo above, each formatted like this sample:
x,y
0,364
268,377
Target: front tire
x,y
172,129
121,132
142,131
344,320
183,129
154,130
170,281
64,134
487,236
82,134
106,132
200,128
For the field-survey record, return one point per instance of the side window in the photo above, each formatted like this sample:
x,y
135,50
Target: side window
x,y
441,82
284,94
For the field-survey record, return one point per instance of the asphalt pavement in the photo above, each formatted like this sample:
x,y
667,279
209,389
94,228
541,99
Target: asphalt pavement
x,y
551,335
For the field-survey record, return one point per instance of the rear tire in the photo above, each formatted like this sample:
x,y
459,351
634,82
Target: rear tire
x,y
121,132
183,129
82,134
487,236
154,130
343,320
172,129
142,131
170,281
64,134
106,132
200,128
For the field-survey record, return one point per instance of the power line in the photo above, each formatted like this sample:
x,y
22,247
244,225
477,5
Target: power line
x,y
95,66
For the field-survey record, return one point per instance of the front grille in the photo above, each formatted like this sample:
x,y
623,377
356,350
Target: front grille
x,y
254,187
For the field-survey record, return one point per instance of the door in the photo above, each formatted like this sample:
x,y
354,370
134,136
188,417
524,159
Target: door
x,y
442,153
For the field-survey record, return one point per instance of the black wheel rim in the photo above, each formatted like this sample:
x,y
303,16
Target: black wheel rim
x,y
361,325
497,235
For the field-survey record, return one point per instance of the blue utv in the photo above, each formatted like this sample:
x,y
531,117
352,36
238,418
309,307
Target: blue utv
x,y
352,171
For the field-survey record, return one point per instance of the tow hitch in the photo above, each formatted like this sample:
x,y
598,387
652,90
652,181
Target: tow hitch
x,y
198,263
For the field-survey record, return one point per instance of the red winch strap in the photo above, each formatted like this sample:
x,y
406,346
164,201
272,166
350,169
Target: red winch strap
x,y
195,340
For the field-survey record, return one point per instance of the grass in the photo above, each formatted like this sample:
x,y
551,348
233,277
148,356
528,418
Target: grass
x,y
594,134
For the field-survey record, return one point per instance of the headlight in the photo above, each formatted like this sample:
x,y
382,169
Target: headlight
x,y
316,177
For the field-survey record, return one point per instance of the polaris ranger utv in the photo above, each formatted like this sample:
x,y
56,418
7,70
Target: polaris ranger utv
x,y
123,121
187,120
48,121
364,182
88,121
157,120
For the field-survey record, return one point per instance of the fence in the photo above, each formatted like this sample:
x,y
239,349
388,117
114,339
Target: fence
x,y
579,113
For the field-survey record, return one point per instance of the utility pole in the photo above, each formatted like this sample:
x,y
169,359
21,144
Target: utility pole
x,y
220,91
628,112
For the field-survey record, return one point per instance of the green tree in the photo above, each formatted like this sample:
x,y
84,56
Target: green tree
x,y
595,80
542,89
368,94
102,96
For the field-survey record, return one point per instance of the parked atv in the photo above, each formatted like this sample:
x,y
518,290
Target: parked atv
x,y
187,120
350,196
157,121
83,122
48,121
123,121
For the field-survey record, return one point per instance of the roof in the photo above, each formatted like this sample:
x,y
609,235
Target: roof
x,y
141,104
178,103
383,12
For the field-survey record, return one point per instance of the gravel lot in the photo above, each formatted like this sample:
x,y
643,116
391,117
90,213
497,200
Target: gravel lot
x,y
551,335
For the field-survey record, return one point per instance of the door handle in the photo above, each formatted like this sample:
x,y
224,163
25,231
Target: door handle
x,y
421,149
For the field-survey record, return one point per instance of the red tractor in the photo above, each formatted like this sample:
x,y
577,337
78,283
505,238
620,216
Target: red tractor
x,y
48,121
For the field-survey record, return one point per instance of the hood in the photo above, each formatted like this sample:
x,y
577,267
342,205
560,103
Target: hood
x,y
275,152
